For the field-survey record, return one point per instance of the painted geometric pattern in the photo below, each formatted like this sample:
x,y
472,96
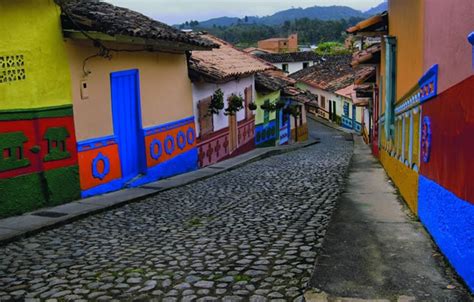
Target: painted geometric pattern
x,y
166,141
12,68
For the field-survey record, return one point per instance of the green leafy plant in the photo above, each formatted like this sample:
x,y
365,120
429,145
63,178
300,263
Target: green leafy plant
x,y
292,110
235,104
267,106
217,102
280,104
253,106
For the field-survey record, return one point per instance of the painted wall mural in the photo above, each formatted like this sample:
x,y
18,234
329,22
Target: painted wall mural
x,y
170,150
38,159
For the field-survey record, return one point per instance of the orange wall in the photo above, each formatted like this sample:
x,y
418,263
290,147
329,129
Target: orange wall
x,y
406,24
165,88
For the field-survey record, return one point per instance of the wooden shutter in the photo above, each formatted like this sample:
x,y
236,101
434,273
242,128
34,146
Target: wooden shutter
x,y
206,121
248,99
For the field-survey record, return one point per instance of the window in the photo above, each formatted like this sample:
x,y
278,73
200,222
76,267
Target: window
x,y
323,102
206,121
12,68
305,65
284,67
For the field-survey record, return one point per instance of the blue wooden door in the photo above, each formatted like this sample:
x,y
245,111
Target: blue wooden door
x,y
127,122
354,115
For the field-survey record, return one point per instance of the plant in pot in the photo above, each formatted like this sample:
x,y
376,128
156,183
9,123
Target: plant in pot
x,y
267,106
280,104
217,102
235,104
252,106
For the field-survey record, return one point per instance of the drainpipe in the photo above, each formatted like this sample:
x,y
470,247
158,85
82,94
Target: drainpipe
x,y
390,76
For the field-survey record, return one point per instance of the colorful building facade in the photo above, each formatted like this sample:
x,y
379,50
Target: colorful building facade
x,y
38,158
426,122
220,76
132,98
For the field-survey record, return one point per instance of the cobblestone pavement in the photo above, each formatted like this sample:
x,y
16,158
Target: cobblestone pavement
x,y
251,234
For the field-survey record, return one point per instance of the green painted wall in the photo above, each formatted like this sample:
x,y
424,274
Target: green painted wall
x,y
260,100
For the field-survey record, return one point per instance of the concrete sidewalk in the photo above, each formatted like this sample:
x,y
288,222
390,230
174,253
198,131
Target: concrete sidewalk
x,y
31,223
375,250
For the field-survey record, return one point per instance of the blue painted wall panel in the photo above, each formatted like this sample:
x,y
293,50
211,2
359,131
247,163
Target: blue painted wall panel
x,y
185,162
450,221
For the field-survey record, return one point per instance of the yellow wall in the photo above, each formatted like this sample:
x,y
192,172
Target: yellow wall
x,y
165,88
32,28
260,99
406,20
405,179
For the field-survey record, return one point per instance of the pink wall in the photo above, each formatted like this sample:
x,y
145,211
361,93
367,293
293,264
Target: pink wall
x,y
447,24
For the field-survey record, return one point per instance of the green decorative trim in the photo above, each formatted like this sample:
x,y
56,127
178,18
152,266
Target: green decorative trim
x,y
31,114
13,142
57,151
21,194
63,185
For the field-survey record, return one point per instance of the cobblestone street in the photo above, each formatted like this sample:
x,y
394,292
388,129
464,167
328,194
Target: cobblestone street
x,y
249,234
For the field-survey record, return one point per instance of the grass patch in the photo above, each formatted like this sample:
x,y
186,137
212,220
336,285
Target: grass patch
x,y
238,278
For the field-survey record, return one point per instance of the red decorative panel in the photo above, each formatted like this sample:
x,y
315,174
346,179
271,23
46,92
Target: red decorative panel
x,y
451,162
246,132
213,149
36,149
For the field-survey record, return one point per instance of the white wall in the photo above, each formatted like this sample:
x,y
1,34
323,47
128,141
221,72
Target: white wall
x,y
293,66
205,90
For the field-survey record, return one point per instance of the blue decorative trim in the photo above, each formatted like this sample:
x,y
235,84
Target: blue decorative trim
x,y
411,102
153,145
191,136
95,164
426,139
429,84
470,38
169,145
449,221
265,132
181,140
169,126
96,143
182,163
114,185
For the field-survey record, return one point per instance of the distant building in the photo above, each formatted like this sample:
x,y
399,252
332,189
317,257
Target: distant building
x,y
280,45
291,62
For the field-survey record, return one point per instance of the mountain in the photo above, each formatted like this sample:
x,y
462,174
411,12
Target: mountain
x,y
378,9
316,12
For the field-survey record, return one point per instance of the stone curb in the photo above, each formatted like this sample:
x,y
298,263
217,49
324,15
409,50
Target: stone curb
x,y
14,228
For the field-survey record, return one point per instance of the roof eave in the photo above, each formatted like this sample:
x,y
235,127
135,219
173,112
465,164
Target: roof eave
x,y
156,45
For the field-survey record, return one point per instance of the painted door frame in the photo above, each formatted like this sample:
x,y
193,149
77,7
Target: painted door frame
x,y
140,140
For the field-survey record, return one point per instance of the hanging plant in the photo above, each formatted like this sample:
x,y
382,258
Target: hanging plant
x,y
292,110
217,102
267,106
280,104
252,106
235,104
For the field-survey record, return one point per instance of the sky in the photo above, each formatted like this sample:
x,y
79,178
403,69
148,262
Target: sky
x,y
179,11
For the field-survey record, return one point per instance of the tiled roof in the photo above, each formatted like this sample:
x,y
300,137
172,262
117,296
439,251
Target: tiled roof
x,y
370,55
302,56
272,80
105,18
346,91
331,74
225,63
301,96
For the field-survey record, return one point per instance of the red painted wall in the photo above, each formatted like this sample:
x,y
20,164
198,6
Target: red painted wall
x,y
451,162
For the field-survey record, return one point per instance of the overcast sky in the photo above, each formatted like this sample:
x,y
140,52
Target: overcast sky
x,y
178,11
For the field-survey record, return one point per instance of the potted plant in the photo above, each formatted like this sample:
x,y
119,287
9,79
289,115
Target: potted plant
x,y
267,106
217,102
235,104
280,104
252,106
